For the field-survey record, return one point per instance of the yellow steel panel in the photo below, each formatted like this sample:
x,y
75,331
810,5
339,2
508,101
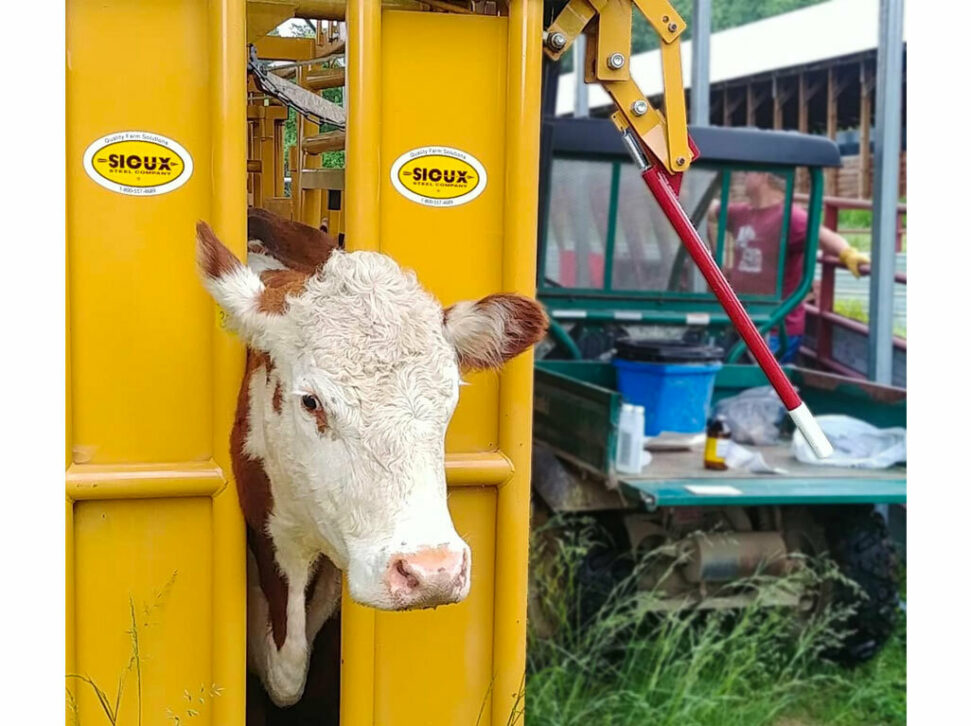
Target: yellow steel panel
x,y
453,643
148,419
470,83
147,562
516,381
457,251
140,322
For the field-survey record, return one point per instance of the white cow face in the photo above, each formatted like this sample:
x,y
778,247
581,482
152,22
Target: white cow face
x,y
365,378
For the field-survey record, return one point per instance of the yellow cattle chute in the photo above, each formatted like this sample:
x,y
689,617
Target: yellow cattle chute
x,y
156,551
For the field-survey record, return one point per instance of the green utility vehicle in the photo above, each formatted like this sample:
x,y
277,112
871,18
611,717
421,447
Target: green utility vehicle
x,y
610,268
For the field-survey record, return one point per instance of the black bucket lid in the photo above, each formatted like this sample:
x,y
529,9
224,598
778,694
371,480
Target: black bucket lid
x,y
667,351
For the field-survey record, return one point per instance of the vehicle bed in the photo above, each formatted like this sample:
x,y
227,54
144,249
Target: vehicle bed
x,y
576,414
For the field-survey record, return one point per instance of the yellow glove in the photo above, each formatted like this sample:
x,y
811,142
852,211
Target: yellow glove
x,y
853,258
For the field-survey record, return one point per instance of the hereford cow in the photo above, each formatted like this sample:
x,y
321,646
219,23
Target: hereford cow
x,y
352,374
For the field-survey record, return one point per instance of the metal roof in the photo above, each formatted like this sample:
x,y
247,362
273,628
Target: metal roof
x,y
816,33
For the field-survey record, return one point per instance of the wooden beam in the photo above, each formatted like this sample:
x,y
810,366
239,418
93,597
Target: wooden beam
x,y
831,107
802,123
865,186
812,87
753,100
729,106
322,178
780,96
327,141
325,78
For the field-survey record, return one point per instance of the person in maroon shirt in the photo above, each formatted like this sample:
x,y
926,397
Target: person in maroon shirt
x,y
752,263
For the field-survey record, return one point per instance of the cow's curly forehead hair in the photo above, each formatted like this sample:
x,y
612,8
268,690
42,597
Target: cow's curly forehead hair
x,y
362,318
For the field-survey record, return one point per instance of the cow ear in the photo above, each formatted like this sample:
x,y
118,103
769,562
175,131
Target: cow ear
x,y
488,332
237,289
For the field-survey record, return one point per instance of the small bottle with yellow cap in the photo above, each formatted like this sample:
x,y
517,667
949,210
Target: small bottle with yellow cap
x,y
716,443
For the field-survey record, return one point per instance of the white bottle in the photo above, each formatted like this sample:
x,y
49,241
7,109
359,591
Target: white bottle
x,y
630,439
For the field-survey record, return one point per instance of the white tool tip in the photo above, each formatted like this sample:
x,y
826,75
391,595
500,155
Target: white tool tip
x,y
804,420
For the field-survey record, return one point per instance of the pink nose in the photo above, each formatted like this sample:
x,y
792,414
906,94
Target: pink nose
x,y
429,577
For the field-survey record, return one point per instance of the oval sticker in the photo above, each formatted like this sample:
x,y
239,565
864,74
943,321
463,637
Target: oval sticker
x,y
438,176
138,163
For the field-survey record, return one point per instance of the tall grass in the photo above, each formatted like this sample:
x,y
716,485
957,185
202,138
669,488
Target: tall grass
x,y
141,621
759,665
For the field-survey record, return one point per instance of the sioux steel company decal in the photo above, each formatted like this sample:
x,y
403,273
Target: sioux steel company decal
x,y
438,176
138,163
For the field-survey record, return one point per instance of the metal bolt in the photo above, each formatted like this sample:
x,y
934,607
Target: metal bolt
x,y
557,41
672,27
679,161
665,19
639,107
616,61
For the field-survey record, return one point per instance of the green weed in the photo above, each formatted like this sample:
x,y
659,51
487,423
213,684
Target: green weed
x,y
758,666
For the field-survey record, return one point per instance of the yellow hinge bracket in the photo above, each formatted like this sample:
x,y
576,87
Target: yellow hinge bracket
x,y
607,24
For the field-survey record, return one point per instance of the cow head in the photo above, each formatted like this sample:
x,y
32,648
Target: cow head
x,y
367,367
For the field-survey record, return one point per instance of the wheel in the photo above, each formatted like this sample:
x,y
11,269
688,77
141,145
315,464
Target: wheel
x,y
607,565
599,562
860,543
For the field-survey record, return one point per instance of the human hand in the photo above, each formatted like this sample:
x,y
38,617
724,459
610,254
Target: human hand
x,y
853,258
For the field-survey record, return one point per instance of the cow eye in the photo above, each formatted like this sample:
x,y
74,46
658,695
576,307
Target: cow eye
x,y
310,403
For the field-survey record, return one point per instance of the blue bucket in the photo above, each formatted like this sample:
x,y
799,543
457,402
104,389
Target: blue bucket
x,y
673,381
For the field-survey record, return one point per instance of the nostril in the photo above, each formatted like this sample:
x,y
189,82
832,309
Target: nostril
x,y
405,575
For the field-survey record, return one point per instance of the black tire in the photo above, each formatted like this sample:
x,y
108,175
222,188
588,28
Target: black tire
x,y
605,568
860,543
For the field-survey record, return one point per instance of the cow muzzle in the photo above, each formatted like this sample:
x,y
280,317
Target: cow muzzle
x,y
429,577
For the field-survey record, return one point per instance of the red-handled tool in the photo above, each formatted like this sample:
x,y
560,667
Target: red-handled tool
x,y
664,188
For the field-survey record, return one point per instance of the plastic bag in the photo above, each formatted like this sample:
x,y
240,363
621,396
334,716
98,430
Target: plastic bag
x,y
855,444
738,457
753,415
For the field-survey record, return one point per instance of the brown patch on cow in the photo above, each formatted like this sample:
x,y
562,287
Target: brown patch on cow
x,y
214,259
273,583
279,284
523,324
525,321
278,398
298,246
255,496
256,501
321,417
